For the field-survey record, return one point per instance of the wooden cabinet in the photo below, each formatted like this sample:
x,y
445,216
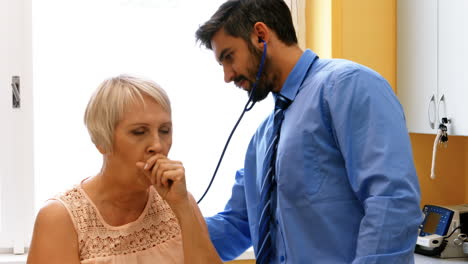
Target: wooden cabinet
x,y
432,68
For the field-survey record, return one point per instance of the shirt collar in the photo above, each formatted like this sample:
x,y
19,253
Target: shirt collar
x,y
296,77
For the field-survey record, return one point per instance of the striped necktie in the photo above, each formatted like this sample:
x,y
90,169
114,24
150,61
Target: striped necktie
x,y
269,185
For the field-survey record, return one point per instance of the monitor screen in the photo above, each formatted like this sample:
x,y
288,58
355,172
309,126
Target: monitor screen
x,y
432,220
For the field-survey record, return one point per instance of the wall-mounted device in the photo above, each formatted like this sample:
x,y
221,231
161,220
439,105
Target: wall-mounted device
x,y
443,232
15,86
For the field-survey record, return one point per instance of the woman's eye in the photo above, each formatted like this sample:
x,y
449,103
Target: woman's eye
x,y
138,132
165,130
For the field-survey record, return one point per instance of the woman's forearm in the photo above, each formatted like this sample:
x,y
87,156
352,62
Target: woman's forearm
x,y
198,248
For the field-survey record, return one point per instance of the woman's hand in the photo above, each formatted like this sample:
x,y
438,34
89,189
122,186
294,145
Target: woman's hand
x,y
167,176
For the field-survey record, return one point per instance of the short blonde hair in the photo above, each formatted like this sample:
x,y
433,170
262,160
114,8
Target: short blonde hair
x,y
109,102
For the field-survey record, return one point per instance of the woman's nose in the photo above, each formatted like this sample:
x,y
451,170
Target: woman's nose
x,y
154,146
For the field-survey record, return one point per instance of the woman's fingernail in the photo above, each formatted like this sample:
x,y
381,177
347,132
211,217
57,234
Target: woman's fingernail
x,y
146,166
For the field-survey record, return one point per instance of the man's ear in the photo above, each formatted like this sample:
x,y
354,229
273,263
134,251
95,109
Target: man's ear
x,y
261,32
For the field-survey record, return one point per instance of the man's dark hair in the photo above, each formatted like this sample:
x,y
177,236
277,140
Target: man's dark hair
x,y
238,17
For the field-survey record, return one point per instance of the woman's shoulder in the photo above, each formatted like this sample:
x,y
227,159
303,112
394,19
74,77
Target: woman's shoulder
x,y
54,235
53,218
53,211
73,203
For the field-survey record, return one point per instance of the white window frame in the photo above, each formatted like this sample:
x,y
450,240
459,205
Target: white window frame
x,y
16,137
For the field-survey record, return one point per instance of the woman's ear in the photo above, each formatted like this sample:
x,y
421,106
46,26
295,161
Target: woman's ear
x,y
100,149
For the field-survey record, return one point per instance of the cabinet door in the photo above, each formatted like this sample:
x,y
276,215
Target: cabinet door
x,y
453,67
417,62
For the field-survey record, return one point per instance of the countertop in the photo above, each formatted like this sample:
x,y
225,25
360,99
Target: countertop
x,y
418,259
421,259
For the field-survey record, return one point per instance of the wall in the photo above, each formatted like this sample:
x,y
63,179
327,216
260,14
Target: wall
x,y
360,30
365,31
319,27
449,186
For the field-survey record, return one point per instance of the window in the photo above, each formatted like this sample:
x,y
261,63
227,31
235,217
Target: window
x,y
16,158
79,43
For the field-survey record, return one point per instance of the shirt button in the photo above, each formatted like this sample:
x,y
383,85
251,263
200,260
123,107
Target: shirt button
x,y
282,258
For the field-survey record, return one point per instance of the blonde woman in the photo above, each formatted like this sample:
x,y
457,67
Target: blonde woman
x,y
137,208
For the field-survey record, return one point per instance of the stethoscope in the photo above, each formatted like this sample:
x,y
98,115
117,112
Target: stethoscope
x,y
248,106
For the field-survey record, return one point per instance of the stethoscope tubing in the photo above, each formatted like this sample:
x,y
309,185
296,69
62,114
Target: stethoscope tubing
x,y
247,108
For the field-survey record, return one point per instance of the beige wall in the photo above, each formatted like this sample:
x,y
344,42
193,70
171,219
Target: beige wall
x,y
369,35
357,30
318,24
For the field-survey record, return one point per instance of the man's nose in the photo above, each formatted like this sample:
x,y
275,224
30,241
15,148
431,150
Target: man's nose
x,y
228,73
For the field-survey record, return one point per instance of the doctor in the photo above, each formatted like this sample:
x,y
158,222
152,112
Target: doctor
x,y
339,186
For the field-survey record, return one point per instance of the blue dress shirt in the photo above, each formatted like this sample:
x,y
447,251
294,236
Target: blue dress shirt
x,y
347,190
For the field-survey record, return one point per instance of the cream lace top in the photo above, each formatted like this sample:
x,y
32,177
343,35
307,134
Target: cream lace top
x,y
155,237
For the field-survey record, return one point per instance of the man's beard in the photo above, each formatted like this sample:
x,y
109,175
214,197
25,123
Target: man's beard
x,y
264,85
